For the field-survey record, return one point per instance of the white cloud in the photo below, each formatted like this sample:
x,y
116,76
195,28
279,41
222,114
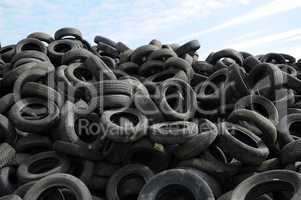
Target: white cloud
x,y
293,39
139,19
245,36
260,41
268,9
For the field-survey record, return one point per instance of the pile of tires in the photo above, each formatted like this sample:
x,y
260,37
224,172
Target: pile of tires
x,y
104,121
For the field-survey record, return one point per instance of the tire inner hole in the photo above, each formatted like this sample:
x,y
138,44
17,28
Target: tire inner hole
x,y
270,187
43,165
62,48
57,193
295,128
218,154
244,138
175,192
258,108
174,126
86,129
34,111
177,98
31,46
125,119
129,187
83,74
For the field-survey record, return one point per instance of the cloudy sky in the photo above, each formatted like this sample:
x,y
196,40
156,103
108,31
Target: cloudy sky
x,y
257,26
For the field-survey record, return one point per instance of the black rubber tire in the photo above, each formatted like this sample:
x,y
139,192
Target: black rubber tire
x,y
41,165
213,183
288,69
250,63
72,183
107,49
8,133
162,54
190,183
114,101
260,71
207,134
83,169
102,39
121,47
10,197
291,152
97,183
129,68
203,68
226,196
68,128
115,180
76,150
147,106
44,37
6,102
23,189
7,155
269,164
180,64
268,129
245,147
76,54
7,53
114,152
270,181
105,169
108,87
96,65
58,48
22,61
226,53
30,54
33,144
161,76
145,152
32,89
151,67
125,56
30,44
284,128
140,54
77,73
177,132
239,77
274,58
38,72
37,125
252,100
188,47
11,76
7,183
19,158
125,133
110,62
214,162
219,80
155,42
190,100
68,32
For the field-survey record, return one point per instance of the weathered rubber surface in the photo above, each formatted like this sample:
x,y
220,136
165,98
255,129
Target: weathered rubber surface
x,y
197,188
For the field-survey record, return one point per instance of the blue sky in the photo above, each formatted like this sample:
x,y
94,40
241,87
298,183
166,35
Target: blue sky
x,y
257,26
